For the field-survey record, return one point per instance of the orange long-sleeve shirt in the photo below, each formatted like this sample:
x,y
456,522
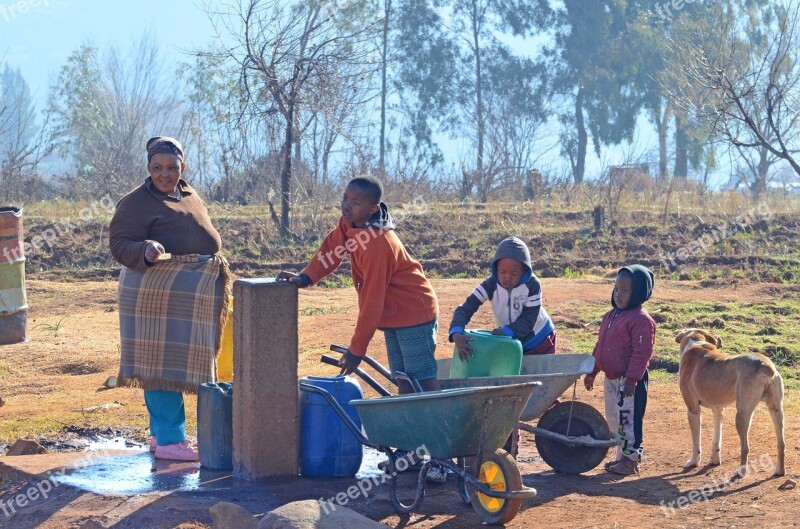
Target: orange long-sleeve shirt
x,y
392,289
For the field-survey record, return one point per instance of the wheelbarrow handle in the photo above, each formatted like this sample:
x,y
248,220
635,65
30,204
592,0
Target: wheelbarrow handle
x,y
363,375
411,380
374,364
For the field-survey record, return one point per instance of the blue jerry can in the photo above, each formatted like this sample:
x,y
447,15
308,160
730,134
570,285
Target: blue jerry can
x,y
327,447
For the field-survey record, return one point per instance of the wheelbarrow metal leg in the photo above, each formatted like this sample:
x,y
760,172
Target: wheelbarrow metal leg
x,y
462,483
567,440
419,494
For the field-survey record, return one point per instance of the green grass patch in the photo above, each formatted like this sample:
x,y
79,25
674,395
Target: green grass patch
x,y
43,424
309,310
336,280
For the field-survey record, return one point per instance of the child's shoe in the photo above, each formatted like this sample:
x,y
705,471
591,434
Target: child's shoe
x,y
437,474
182,451
153,443
625,467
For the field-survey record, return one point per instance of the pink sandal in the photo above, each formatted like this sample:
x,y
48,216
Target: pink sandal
x,y
183,451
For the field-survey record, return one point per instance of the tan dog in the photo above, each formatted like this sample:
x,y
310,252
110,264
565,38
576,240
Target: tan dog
x,y
712,379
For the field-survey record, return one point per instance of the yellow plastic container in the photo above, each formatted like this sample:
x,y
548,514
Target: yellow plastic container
x,y
13,301
225,357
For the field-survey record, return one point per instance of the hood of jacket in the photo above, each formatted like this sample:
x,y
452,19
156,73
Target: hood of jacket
x,y
643,280
381,219
515,249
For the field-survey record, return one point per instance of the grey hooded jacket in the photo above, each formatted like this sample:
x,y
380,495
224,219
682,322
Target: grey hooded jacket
x,y
519,311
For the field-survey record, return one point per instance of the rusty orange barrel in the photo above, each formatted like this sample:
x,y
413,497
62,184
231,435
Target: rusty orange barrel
x,y
13,302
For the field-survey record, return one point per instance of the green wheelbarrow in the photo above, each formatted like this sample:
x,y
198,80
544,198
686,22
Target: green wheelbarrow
x,y
452,423
572,437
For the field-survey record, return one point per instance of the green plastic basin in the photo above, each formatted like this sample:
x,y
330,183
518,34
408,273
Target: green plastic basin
x,y
495,356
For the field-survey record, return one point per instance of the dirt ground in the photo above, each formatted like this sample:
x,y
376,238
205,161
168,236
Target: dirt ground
x,y
54,379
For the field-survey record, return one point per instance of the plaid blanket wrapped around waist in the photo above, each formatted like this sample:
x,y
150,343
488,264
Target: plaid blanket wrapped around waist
x,y
170,320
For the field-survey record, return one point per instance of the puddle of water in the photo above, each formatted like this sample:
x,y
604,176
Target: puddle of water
x,y
113,443
369,464
138,473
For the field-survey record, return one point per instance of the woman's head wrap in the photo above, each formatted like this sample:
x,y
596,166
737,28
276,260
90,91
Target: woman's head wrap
x,y
164,145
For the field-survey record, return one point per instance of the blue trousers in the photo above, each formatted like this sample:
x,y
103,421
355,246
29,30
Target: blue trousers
x,y
167,415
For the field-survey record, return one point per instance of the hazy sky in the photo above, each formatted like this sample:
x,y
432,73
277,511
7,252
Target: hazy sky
x,y
37,36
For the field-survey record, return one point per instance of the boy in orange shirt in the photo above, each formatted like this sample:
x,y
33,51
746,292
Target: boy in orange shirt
x,y
393,293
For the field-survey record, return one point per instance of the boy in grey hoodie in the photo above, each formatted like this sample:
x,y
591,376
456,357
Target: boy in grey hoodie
x,y
516,296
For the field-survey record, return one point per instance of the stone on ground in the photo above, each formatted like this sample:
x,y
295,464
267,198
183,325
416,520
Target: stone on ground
x,y
309,514
228,515
91,523
26,447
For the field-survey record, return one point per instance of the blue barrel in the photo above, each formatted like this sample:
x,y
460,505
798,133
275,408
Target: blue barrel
x,y
327,447
215,425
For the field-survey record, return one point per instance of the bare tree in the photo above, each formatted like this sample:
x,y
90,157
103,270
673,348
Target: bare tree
x,y
515,134
384,58
22,145
743,83
234,155
104,108
286,53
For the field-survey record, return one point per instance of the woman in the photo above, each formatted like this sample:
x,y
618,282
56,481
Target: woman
x,y
172,290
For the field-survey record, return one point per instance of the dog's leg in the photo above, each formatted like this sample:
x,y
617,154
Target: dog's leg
x,y
715,457
774,401
745,406
695,420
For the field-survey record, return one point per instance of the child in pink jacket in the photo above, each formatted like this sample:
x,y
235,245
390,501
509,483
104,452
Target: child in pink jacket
x,y
623,351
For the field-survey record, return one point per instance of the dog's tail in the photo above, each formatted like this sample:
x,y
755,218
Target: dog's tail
x,y
768,368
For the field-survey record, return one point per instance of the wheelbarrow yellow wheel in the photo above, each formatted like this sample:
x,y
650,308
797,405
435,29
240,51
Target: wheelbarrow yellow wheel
x,y
498,472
